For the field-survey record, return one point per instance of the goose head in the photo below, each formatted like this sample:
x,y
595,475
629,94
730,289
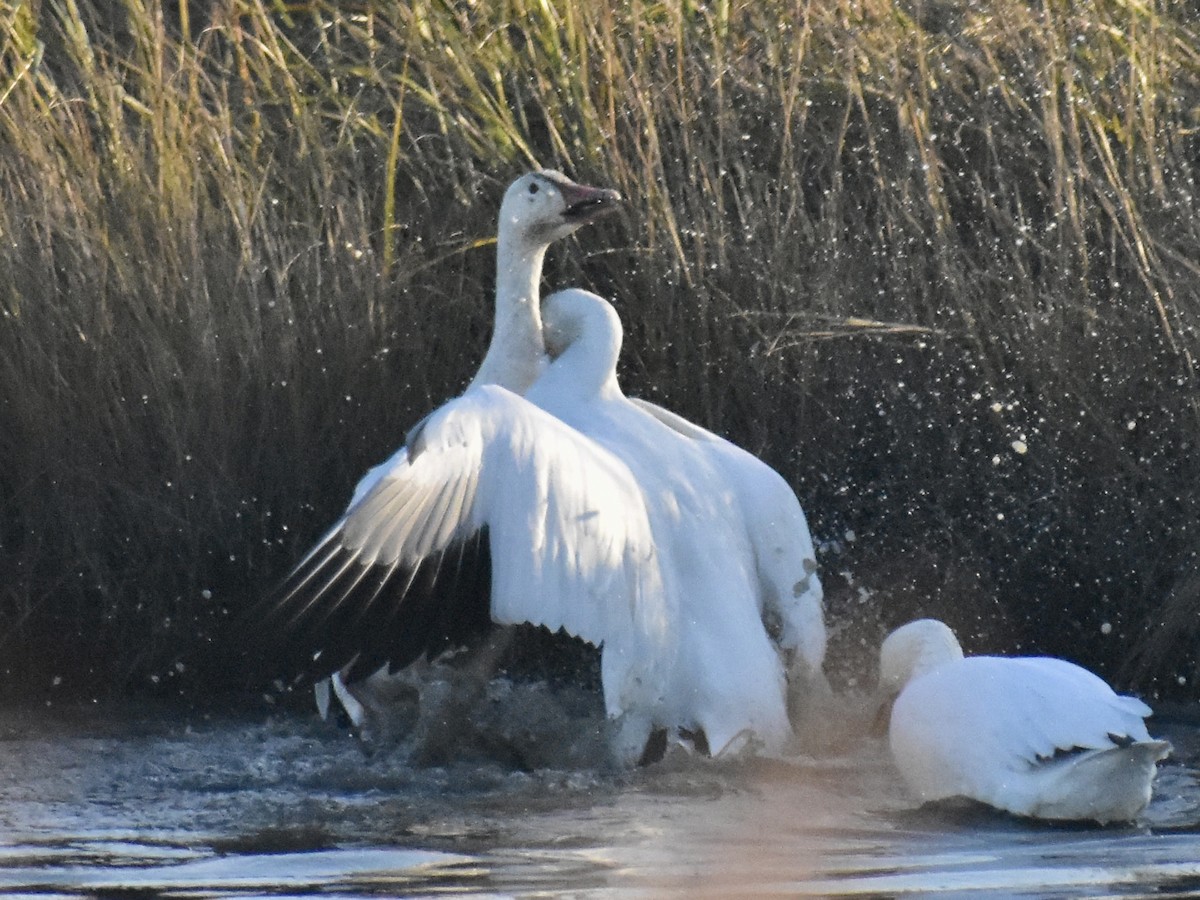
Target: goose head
x,y
573,315
914,649
542,207
583,339
908,652
538,208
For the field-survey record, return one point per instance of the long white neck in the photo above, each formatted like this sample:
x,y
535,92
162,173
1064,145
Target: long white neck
x,y
517,354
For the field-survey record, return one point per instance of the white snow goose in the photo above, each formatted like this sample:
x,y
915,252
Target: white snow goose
x,y
537,209
1034,736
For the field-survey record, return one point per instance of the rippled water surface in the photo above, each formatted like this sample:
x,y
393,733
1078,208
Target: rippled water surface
x,y
136,801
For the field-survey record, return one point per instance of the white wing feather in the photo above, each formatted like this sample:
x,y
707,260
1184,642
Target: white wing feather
x,y
778,532
570,539
992,715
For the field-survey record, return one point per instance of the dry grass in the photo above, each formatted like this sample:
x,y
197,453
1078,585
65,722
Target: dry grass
x,y
887,247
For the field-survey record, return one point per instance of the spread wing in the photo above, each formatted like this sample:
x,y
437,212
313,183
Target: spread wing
x,y
778,532
495,511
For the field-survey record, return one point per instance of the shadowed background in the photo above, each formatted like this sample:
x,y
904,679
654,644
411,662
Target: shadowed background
x,y
935,262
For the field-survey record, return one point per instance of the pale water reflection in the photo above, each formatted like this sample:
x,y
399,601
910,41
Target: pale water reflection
x,y
137,802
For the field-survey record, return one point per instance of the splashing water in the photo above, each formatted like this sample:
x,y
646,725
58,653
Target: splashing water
x,y
135,798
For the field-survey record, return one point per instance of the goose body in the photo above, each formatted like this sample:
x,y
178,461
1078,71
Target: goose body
x,y
566,538
725,677
785,560
1034,736
592,515
537,209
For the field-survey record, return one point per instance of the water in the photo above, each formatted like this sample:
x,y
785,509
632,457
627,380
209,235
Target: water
x,y
140,801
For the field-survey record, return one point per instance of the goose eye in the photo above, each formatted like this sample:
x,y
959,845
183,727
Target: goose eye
x,y
533,188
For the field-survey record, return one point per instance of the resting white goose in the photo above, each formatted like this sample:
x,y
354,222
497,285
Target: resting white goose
x,y
590,515
538,208
1034,736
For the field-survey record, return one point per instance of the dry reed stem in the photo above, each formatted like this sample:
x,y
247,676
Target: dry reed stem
x,y
243,246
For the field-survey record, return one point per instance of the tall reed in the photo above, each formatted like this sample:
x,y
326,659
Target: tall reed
x,y
936,261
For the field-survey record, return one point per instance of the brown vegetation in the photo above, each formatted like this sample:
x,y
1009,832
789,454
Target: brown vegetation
x,y
936,261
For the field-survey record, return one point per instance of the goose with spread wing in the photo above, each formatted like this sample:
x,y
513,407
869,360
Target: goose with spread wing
x,y
1035,736
538,208
584,512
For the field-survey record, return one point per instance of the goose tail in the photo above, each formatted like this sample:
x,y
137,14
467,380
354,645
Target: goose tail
x,y
1111,785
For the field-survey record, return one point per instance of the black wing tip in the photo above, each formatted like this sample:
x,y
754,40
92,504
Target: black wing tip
x,y
333,613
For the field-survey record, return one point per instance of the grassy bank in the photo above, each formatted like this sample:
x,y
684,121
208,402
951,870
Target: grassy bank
x,y
936,262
